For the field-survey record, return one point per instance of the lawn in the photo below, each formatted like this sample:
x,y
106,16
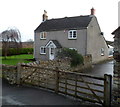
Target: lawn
x,y
13,60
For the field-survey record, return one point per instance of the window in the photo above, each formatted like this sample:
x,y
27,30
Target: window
x,y
42,50
102,51
72,34
43,35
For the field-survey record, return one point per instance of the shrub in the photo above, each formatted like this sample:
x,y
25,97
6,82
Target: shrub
x,y
76,58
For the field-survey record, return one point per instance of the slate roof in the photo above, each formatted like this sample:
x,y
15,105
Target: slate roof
x,y
58,45
78,22
115,30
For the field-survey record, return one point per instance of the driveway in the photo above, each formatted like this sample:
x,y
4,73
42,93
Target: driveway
x,y
101,69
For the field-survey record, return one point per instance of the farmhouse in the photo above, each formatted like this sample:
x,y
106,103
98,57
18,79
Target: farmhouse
x,y
82,33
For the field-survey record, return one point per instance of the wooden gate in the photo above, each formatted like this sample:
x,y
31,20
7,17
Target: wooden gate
x,y
78,85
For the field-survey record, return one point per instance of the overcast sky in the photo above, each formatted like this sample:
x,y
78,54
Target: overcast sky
x,y
26,15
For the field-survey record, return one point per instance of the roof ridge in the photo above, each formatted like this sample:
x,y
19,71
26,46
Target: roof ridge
x,y
69,17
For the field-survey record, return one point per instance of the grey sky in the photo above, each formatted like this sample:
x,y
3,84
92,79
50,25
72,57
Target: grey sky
x,y
26,15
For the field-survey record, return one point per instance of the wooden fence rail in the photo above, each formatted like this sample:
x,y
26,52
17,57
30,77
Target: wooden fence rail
x,y
78,85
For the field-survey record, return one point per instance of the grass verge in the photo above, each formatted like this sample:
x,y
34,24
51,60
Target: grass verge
x,y
13,60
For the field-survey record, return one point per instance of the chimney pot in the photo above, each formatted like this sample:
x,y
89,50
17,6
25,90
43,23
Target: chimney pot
x,y
45,17
92,11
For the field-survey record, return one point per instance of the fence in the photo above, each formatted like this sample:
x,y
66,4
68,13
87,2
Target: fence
x,y
78,85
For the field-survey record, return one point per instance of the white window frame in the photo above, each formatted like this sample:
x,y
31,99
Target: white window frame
x,y
72,36
43,35
73,49
42,51
102,51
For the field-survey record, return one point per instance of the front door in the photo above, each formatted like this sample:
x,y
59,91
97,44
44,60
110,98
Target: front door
x,y
51,53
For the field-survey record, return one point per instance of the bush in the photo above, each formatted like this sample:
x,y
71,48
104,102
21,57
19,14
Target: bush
x,y
13,51
76,58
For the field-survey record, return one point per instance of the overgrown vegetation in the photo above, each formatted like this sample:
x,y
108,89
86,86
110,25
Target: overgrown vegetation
x,y
13,51
76,59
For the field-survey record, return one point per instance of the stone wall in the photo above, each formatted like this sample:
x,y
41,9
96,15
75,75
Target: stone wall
x,y
64,64
10,73
27,44
116,55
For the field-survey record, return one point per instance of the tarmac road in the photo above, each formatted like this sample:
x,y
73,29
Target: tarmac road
x,y
14,95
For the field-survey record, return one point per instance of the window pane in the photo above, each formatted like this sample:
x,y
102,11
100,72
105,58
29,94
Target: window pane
x,y
70,34
74,34
102,51
43,35
42,50
52,50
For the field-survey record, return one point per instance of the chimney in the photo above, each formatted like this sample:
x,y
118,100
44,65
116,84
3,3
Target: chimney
x,y
45,17
92,11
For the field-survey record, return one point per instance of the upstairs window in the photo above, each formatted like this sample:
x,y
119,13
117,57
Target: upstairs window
x,y
72,34
43,35
42,50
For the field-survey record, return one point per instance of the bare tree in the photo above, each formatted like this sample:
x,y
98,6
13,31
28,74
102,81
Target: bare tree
x,y
10,38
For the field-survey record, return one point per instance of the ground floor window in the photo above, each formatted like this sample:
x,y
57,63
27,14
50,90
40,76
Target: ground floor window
x,y
42,50
102,51
73,49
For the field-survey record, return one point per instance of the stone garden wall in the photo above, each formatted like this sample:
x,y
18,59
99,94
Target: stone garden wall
x,y
116,76
64,64
11,73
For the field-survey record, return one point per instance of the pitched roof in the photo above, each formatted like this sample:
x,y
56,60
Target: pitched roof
x,y
58,45
115,30
77,22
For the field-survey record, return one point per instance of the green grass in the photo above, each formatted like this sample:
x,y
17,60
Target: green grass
x,y
13,60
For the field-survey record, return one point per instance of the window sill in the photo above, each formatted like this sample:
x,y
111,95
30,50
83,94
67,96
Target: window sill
x,y
72,38
42,53
42,38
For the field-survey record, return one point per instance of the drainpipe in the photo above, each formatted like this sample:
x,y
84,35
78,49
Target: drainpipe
x,y
86,42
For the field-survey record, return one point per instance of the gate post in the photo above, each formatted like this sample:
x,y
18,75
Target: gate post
x,y
57,80
107,90
18,73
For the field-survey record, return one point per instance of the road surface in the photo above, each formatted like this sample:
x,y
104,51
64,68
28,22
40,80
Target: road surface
x,y
14,95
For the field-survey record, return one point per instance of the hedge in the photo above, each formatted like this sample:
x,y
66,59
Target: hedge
x,y
13,51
